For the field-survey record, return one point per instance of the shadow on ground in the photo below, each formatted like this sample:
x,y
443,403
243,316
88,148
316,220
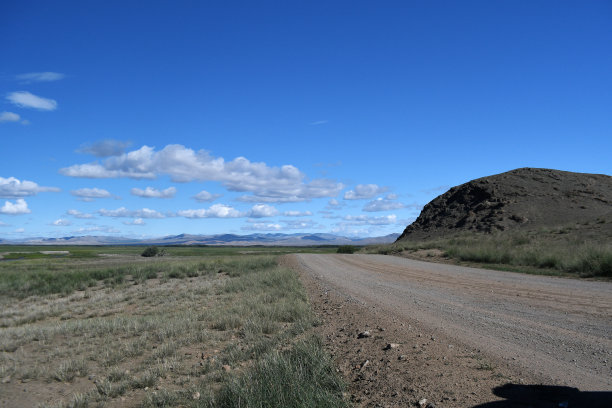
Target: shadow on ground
x,y
547,396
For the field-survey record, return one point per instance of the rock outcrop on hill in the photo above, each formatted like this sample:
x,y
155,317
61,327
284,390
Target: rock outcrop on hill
x,y
525,198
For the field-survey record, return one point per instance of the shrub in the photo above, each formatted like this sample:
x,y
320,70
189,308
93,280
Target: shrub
x,y
150,251
346,249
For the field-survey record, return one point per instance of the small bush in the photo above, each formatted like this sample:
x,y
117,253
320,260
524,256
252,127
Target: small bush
x,y
153,251
150,251
346,249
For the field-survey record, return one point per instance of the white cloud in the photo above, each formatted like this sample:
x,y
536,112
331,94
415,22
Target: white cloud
x,y
215,211
2,224
301,224
136,221
262,210
151,192
96,228
367,220
90,194
25,99
18,207
13,188
319,122
124,212
105,148
204,196
40,77
9,117
61,222
364,191
383,204
254,225
78,214
267,184
334,204
20,230
297,213
260,226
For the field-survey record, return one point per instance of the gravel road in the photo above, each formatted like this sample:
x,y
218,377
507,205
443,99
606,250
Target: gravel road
x,y
555,328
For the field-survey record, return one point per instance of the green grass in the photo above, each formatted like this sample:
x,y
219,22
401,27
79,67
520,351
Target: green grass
x,y
561,251
157,331
300,377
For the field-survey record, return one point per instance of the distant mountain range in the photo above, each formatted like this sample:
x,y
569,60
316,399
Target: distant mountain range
x,y
223,239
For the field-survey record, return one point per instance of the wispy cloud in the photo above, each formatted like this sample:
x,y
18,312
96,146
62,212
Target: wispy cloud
x,y
297,213
40,77
204,196
438,189
319,122
25,99
124,212
61,222
17,208
137,221
78,214
91,194
267,184
262,226
97,228
151,192
105,148
14,188
383,204
367,220
300,224
364,191
334,204
9,117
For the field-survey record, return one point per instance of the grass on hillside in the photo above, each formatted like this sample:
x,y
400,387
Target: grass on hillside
x,y
195,332
567,250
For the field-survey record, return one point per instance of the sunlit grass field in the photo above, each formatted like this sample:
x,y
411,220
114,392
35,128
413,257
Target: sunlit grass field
x,y
199,327
580,250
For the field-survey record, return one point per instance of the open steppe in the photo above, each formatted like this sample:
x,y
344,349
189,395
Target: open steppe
x,y
201,327
282,327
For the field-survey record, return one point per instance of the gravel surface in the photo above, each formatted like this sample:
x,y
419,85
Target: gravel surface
x,y
554,329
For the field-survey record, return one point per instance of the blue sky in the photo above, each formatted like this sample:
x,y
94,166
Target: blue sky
x,y
158,118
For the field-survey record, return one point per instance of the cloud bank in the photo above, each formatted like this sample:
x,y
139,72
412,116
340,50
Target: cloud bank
x,y
265,183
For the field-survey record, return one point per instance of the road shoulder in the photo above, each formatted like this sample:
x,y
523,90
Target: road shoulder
x,y
400,362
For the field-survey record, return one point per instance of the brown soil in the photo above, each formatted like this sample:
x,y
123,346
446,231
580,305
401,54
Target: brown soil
x,y
443,350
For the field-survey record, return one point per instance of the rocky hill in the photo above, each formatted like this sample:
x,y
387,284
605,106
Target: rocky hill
x,y
525,198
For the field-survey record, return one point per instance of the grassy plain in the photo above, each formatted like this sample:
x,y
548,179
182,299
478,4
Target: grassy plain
x,y
200,327
579,250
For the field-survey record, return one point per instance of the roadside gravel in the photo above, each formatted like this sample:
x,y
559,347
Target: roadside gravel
x,y
542,329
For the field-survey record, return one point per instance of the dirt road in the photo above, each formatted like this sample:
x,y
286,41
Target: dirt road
x,y
553,329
